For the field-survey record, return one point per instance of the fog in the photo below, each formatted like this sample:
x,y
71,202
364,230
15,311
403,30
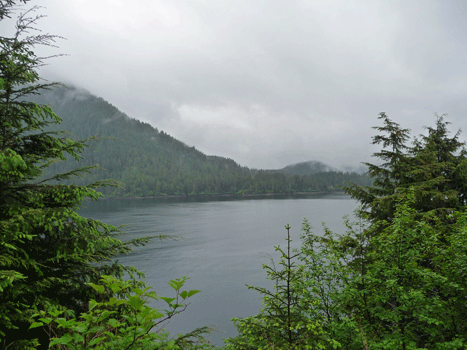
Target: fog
x,y
267,83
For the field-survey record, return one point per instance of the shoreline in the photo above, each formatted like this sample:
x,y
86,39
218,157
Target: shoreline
x,y
245,195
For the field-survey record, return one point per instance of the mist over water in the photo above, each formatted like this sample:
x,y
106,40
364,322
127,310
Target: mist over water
x,y
224,244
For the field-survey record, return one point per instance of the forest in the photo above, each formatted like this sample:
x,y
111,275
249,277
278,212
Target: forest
x,y
396,279
149,162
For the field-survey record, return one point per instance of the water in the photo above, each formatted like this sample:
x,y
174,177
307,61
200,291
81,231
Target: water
x,y
224,243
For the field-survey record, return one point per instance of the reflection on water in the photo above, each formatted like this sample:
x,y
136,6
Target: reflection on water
x,y
224,243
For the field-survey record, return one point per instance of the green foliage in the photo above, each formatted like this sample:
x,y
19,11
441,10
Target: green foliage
x,y
435,166
150,162
378,200
50,257
288,319
406,292
120,323
415,298
328,269
394,280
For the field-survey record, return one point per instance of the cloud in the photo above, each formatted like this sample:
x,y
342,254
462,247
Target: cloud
x,y
268,83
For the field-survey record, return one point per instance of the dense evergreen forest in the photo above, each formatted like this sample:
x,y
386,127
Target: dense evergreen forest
x,y
395,280
150,162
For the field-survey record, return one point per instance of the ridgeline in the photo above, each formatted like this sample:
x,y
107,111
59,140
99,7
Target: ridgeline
x,y
149,162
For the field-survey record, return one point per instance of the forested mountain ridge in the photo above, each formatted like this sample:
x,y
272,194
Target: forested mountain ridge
x,y
150,162
307,168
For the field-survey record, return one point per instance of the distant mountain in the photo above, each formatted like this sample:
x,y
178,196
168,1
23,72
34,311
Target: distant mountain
x,y
359,169
314,167
307,168
150,162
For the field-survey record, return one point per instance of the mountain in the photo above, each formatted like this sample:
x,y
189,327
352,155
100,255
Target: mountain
x,y
307,168
359,169
150,162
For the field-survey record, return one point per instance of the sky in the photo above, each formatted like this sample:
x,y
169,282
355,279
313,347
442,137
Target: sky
x,y
267,83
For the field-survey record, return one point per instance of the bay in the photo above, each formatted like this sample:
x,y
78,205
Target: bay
x,y
225,241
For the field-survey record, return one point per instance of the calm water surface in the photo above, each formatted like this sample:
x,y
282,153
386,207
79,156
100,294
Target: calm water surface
x,y
225,242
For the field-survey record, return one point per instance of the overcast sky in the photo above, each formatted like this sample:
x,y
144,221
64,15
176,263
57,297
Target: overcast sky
x,y
268,83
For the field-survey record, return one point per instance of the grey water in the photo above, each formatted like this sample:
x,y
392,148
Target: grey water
x,y
224,243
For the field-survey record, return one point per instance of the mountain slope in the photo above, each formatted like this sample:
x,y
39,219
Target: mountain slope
x,y
150,162
306,168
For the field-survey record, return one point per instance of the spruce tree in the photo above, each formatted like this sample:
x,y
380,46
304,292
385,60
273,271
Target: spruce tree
x,y
406,291
435,166
289,319
48,253
378,200
438,171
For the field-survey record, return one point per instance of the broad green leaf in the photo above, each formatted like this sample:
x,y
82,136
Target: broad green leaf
x,y
114,323
36,324
98,288
193,292
167,300
96,341
92,304
66,339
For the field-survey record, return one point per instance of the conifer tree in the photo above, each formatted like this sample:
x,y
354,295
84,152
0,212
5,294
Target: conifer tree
x,y
435,166
288,319
402,268
48,253
406,292
378,200
438,171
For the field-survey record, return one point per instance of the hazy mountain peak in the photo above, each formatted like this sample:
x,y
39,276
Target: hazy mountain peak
x,y
150,162
307,168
